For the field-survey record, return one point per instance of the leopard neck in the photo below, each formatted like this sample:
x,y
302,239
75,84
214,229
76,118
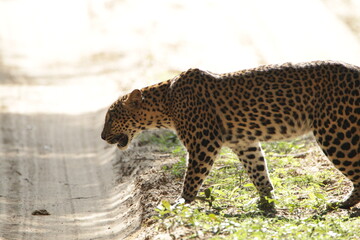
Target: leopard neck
x,y
155,105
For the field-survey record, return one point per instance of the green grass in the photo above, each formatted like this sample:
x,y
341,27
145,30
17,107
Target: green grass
x,y
303,188
210,224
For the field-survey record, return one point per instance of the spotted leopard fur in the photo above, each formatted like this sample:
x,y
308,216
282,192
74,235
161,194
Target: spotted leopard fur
x,y
242,109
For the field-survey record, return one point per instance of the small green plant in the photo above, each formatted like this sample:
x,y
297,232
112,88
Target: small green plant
x,y
209,198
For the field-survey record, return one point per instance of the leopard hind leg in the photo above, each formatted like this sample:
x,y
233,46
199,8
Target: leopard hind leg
x,y
341,144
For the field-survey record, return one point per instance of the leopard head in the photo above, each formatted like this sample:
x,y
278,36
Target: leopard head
x,y
122,120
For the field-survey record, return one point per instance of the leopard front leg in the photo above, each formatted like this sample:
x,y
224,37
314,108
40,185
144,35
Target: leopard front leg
x,y
253,160
202,153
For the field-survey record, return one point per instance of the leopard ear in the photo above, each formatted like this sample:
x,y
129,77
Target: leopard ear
x,y
135,99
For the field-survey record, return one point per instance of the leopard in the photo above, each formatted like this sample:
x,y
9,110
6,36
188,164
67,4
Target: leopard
x,y
242,109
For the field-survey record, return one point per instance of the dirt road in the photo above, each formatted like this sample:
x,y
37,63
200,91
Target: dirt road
x,y
56,162
58,179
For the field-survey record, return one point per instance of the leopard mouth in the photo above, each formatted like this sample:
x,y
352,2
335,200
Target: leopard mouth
x,y
122,140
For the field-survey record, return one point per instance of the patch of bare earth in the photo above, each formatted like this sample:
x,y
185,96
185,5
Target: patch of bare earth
x,y
143,166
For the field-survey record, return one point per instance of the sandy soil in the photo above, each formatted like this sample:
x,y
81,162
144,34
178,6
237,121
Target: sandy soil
x,y
56,163
58,179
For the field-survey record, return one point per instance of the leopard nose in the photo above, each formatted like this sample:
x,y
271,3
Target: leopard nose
x,y
103,135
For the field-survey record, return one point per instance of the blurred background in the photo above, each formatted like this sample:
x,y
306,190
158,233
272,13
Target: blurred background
x,y
78,56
